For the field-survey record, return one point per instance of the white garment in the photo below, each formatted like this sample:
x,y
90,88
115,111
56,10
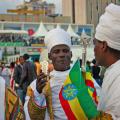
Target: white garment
x,y
97,87
6,75
110,94
56,83
2,98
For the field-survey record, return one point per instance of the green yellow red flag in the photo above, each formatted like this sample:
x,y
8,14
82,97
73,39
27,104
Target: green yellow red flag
x,y
75,97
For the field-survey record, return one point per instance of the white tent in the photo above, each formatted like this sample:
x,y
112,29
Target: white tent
x,y
71,32
41,32
84,35
58,26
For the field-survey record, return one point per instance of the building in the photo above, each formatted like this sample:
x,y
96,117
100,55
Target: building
x,y
34,11
34,7
34,18
85,11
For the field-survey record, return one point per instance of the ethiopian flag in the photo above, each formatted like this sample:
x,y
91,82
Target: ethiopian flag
x,y
75,98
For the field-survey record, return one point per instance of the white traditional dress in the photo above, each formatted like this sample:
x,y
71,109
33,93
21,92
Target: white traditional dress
x,y
56,83
110,94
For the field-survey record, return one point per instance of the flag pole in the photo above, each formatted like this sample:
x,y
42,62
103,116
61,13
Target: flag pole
x,y
85,41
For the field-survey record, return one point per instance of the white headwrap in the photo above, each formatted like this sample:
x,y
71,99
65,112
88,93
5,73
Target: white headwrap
x,y
108,28
55,37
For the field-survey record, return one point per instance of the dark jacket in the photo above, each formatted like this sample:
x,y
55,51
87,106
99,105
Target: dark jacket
x,y
28,75
17,73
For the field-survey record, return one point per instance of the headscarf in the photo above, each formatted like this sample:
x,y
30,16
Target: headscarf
x,y
55,37
108,28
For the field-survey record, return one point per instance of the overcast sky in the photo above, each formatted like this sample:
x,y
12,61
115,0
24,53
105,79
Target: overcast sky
x,y
11,4
8,4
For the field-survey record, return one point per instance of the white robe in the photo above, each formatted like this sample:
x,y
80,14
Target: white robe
x,y
110,94
2,98
56,83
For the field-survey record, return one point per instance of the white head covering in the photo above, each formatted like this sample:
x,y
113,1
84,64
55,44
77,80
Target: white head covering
x,y
55,37
108,28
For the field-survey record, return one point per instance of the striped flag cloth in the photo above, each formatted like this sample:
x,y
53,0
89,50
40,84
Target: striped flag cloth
x,y
90,83
75,98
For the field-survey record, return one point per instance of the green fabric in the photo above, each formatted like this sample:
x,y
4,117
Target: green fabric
x,y
84,98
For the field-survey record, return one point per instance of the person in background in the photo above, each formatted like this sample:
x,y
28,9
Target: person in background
x,y
10,105
107,54
17,77
96,72
18,72
12,82
88,64
38,66
5,73
28,74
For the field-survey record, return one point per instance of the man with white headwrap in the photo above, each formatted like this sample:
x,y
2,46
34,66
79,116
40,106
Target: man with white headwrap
x,y
107,54
58,43
45,104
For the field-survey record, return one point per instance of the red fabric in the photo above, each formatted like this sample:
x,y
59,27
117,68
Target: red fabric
x,y
91,84
30,32
66,107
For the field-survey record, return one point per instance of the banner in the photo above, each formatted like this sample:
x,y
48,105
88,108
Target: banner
x,y
12,44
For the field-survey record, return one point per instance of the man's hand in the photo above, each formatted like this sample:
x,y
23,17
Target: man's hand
x,y
41,82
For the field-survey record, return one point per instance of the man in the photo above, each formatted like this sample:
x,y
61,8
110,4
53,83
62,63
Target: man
x,y
17,76
58,43
28,74
10,106
107,54
18,72
43,100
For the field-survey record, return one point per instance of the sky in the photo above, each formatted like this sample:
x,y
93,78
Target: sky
x,y
11,4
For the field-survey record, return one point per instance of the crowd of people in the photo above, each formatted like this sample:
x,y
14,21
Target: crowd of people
x,y
11,38
49,96
4,38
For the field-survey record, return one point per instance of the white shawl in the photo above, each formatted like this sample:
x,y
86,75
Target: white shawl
x,y
110,94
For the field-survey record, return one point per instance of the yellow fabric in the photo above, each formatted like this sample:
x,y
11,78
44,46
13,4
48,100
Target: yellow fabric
x,y
79,113
36,112
12,102
38,67
30,92
103,116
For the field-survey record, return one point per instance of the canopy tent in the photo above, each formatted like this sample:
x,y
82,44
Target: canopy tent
x,y
71,32
58,26
41,32
84,35
13,32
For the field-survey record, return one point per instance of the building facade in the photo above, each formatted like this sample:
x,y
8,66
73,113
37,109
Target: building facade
x,y
85,11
